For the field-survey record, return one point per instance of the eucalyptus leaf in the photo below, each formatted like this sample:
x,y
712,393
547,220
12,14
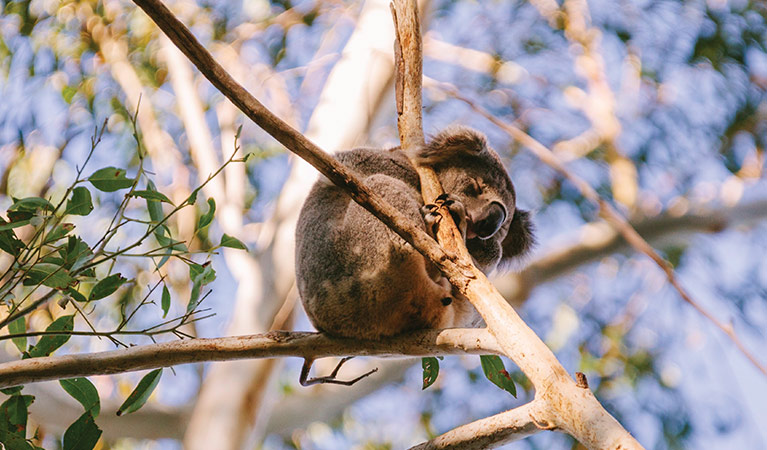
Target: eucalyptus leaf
x,y
165,302
82,390
76,295
12,390
14,224
207,218
107,286
232,242
30,204
200,276
83,434
430,367
59,232
9,243
51,275
19,326
494,370
81,203
141,394
110,179
49,343
150,194
76,253
13,414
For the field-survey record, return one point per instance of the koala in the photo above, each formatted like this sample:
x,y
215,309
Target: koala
x,y
359,279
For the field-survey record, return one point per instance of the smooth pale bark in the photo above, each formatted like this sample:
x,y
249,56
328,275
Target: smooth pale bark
x,y
268,345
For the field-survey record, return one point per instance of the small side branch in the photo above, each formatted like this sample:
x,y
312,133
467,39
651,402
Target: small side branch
x,y
268,345
489,432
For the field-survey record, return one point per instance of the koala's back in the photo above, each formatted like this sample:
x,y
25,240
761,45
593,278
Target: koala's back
x,y
356,277
359,279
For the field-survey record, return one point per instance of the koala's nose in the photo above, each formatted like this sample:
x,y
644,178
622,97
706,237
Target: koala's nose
x,y
490,223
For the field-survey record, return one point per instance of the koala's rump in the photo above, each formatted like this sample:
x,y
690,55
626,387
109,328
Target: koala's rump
x,y
356,277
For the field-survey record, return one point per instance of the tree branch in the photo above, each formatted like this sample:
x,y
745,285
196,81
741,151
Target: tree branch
x,y
489,432
272,344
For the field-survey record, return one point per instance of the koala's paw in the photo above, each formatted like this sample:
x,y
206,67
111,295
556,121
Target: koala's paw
x,y
432,217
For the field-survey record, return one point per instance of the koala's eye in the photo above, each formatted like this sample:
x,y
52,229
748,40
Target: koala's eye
x,y
474,188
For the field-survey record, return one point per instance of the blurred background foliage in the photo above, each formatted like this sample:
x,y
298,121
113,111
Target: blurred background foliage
x,y
661,105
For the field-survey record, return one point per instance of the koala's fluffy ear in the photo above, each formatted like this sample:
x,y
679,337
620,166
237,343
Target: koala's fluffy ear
x,y
450,142
520,238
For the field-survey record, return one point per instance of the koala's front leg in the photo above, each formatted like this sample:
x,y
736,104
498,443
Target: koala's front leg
x,y
431,215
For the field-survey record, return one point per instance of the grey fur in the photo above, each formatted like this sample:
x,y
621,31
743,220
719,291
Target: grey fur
x,y
357,278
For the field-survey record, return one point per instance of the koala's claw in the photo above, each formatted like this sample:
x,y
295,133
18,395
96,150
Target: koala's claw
x,y
453,204
431,218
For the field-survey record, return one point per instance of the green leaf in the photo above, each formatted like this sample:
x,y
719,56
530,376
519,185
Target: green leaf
x,y
83,434
192,199
82,390
80,204
200,276
494,370
9,243
12,390
59,232
30,205
141,394
19,326
207,218
165,303
51,275
151,194
156,216
15,224
48,343
154,208
76,295
110,179
106,286
232,242
430,370
14,441
76,253
14,412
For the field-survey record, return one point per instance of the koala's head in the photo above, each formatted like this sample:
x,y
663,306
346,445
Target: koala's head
x,y
497,232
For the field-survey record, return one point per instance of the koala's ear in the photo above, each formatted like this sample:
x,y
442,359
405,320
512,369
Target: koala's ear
x,y
450,142
520,238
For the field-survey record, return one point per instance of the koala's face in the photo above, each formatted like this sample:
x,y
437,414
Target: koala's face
x,y
471,171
